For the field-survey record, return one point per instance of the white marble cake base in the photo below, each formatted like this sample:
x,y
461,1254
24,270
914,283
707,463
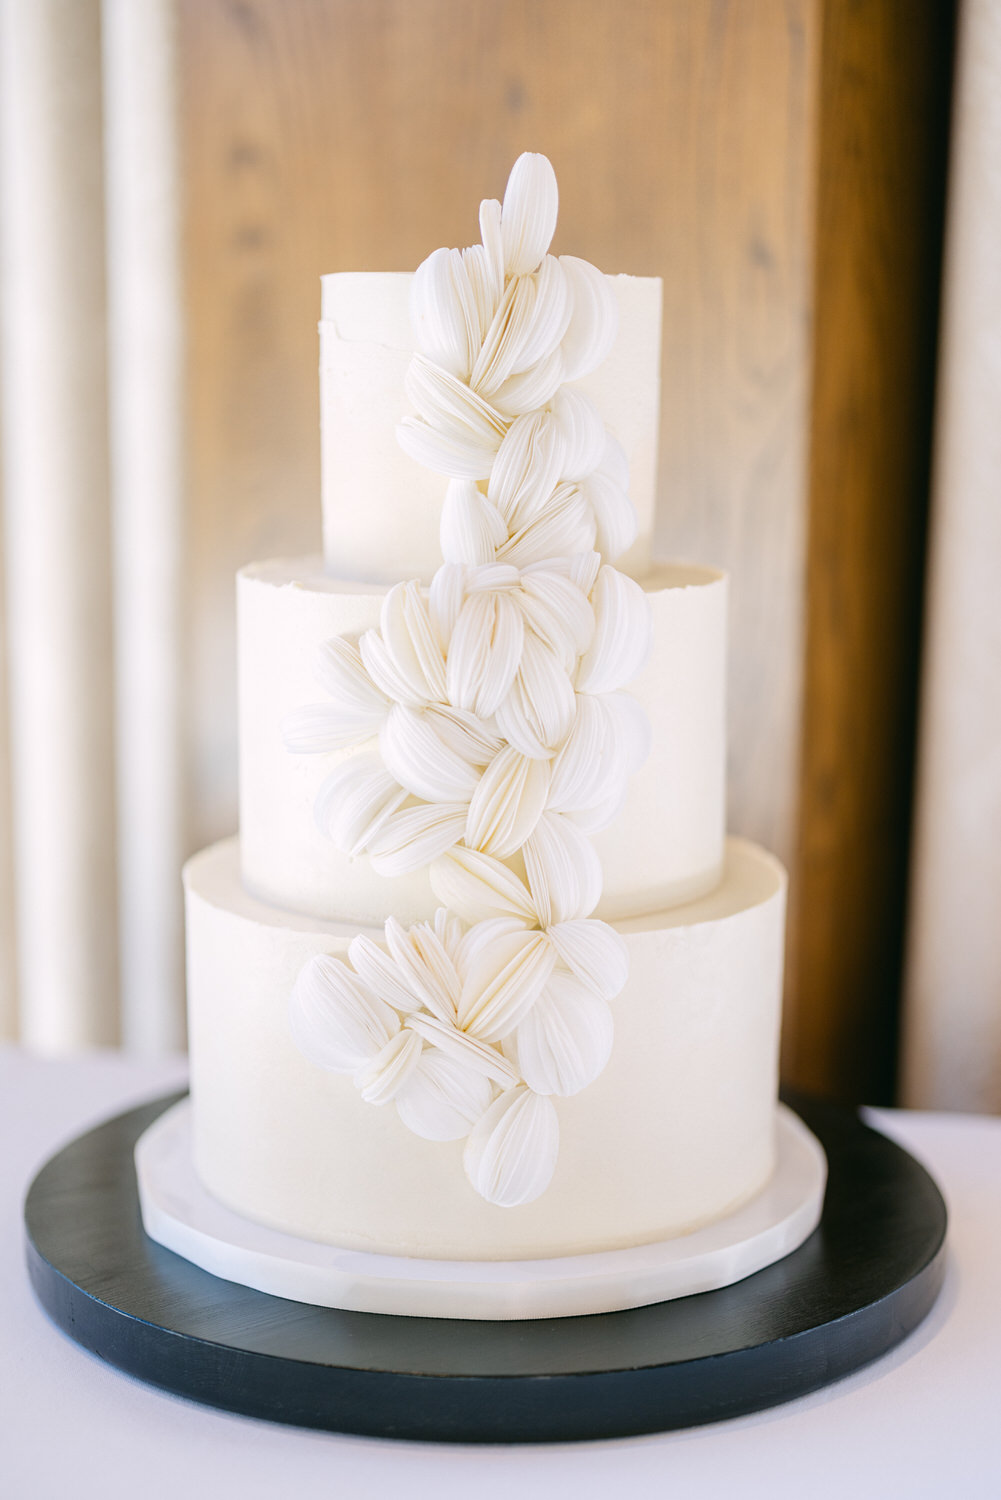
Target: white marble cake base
x,y
180,1214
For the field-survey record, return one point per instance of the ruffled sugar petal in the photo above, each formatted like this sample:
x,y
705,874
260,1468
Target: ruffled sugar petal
x,y
486,289
465,734
566,526
478,886
531,388
340,672
444,312
580,771
455,431
527,469
525,332
566,1039
445,597
420,759
559,613
449,929
412,642
473,1054
414,837
511,1153
615,520
383,1078
381,975
594,323
384,670
442,1098
472,528
529,213
507,803
622,634
355,802
424,962
563,870
484,652
504,982
334,1020
538,712
595,953
576,418
317,728
493,250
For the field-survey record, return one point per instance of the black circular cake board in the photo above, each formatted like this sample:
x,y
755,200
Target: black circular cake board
x,y
862,1281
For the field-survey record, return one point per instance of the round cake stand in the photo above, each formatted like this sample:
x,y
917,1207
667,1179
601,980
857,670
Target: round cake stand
x,y
862,1281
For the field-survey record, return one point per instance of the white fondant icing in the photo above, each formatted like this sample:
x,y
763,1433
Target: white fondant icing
x,y
667,839
677,1129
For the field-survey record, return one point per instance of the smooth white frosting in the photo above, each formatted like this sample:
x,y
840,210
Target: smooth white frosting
x,y
676,1129
665,845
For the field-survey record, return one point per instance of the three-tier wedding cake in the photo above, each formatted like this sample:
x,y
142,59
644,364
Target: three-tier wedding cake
x,y
483,980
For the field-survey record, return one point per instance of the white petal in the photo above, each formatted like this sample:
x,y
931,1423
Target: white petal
x,y
414,752
493,245
595,953
529,389
580,779
444,312
507,803
564,526
481,937
528,214
467,735
566,1039
416,836
446,594
622,634
384,670
355,801
319,727
504,982
424,962
484,653
477,886
442,1099
511,1153
563,870
412,641
538,712
340,671
527,469
449,930
382,975
594,324
526,331
461,452
478,1056
559,613
614,514
486,287
387,1074
334,1021
471,526
455,431
583,432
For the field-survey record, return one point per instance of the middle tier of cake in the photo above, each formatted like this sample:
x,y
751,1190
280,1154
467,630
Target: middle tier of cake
x,y
665,845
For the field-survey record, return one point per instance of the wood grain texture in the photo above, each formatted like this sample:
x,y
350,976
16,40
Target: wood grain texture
x,y
360,134
883,124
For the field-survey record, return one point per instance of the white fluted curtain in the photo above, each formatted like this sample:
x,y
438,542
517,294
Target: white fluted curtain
x,y
952,1022
90,384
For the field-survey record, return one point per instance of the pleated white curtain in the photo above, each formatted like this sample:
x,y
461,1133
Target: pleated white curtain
x,y
952,1023
90,401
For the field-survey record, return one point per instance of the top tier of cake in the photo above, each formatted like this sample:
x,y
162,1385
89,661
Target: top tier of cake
x,y
382,509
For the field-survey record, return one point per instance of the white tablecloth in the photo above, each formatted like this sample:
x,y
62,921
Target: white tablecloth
x,y
924,1421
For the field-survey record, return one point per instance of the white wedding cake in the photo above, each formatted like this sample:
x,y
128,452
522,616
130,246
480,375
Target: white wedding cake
x,y
483,979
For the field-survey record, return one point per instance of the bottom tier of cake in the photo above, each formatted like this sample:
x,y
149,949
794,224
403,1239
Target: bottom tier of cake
x,y
678,1130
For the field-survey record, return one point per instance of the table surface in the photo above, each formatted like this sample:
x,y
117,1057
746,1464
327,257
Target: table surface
x,y
923,1421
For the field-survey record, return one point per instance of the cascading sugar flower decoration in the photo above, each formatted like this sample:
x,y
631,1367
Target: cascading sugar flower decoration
x,y
496,732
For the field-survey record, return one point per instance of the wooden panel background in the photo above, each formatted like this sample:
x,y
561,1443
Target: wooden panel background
x,y
328,135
